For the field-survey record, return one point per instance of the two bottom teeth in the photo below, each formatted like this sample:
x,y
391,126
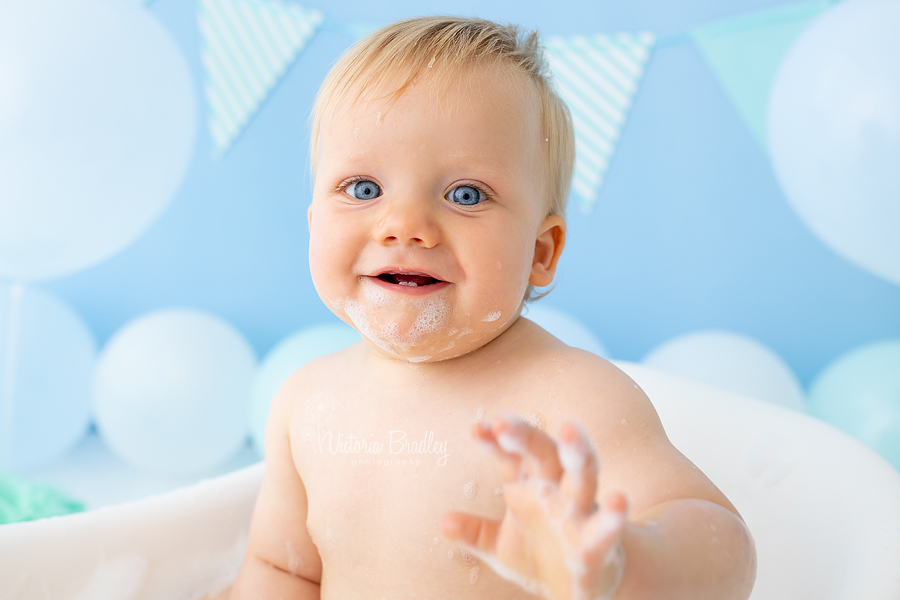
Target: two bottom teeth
x,y
408,283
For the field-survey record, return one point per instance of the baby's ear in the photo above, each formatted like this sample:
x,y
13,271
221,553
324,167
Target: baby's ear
x,y
548,247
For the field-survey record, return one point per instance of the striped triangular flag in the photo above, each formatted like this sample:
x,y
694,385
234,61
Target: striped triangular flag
x,y
746,52
248,46
597,76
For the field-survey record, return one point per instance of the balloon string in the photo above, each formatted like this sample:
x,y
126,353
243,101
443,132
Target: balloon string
x,y
8,363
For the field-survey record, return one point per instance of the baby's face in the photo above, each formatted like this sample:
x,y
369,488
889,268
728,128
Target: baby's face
x,y
425,214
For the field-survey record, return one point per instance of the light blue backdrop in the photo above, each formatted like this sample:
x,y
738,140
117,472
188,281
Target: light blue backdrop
x,y
690,231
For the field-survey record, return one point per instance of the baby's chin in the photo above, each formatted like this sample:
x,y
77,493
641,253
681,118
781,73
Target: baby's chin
x,y
418,329
431,333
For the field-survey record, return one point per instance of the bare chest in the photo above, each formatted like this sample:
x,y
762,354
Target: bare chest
x,y
378,485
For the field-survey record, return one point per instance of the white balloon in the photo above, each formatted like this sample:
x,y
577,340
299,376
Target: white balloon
x,y
171,391
732,362
834,131
289,355
47,361
565,327
97,124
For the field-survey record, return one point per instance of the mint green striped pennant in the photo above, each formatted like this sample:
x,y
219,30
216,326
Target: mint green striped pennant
x,y
597,76
247,47
745,53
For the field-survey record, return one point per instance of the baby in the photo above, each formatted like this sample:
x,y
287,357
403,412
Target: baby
x,y
442,158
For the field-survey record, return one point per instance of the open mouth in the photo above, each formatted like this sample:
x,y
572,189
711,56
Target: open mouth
x,y
408,279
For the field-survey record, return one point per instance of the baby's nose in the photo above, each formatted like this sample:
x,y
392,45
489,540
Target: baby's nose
x,y
407,222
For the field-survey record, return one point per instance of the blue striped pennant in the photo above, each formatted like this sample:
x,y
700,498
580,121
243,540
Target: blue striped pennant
x,y
247,47
597,76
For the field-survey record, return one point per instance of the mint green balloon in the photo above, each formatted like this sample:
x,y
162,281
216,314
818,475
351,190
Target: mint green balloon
x,y
289,355
860,394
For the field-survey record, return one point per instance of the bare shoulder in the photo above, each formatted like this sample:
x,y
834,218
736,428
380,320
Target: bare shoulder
x,y
307,380
592,390
636,457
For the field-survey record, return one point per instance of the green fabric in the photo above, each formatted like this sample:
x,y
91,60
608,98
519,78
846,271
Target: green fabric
x,y
746,52
21,500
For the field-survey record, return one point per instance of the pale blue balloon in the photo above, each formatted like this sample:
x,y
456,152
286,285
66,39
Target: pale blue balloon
x,y
731,361
97,126
289,355
834,131
565,327
47,360
860,393
171,392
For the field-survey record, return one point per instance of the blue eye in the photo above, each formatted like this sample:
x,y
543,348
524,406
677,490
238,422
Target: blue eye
x,y
363,190
465,195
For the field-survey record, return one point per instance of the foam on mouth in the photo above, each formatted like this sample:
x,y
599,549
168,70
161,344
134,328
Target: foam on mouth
x,y
407,279
431,315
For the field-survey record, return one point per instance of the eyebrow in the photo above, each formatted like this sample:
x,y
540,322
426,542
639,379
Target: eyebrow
x,y
490,167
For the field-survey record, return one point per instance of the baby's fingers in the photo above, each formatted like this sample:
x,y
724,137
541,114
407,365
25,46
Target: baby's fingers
x,y
472,531
604,527
515,436
509,465
580,464
601,556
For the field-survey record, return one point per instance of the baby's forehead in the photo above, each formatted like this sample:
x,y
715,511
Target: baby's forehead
x,y
370,107
441,89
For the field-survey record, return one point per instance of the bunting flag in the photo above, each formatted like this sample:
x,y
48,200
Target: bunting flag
x,y
355,29
597,76
247,47
745,53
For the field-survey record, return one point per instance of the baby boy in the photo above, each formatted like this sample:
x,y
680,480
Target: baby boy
x,y
441,159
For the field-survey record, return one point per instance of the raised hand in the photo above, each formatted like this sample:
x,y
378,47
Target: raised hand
x,y
553,540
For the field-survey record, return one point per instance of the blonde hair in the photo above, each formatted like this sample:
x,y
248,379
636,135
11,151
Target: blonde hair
x,y
448,46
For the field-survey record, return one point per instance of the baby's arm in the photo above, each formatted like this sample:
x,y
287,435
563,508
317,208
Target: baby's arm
x,y
683,538
281,559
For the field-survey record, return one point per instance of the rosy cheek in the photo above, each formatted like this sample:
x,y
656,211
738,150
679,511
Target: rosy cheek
x,y
315,251
318,257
